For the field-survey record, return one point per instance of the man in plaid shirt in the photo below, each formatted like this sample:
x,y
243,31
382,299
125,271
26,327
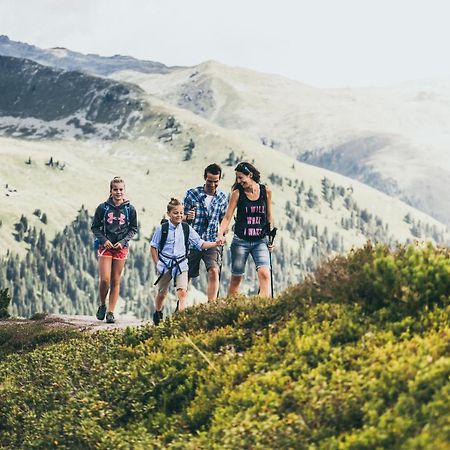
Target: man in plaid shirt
x,y
205,207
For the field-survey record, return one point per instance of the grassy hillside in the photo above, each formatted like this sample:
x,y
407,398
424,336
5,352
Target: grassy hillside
x,y
155,168
356,357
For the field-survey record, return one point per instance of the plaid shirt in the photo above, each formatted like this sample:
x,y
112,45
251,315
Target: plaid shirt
x,y
207,221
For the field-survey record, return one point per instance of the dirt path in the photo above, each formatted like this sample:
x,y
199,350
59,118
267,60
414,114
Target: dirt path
x,y
82,323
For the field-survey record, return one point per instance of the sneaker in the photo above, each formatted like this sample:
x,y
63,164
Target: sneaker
x,y
101,311
110,317
157,317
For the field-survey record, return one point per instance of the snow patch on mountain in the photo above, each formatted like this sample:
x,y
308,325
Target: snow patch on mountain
x,y
72,127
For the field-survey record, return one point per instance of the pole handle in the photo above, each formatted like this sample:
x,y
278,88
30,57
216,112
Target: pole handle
x,y
272,234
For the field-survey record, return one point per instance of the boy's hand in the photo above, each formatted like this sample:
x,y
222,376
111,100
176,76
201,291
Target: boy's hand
x,y
220,241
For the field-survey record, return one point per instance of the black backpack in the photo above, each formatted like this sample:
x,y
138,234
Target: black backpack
x,y
165,232
162,243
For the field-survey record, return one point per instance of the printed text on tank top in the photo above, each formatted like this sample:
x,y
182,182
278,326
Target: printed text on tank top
x,y
251,220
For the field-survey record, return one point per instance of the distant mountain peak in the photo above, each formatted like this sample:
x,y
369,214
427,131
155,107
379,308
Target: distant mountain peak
x,y
63,58
42,102
60,52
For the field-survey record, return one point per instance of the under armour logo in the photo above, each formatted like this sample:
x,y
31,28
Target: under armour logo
x,y
111,218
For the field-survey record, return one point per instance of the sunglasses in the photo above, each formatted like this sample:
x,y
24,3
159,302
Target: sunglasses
x,y
243,168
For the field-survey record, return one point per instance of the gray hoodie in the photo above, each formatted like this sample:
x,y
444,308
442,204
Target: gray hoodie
x,y
115,223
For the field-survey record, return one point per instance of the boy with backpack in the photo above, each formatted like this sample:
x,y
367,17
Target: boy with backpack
x,y
169,249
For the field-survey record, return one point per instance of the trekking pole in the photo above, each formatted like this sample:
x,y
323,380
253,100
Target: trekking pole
x,y
272,235
220,271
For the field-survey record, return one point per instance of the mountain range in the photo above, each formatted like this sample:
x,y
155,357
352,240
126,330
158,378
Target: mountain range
x,y
394,138
43,102
69,60
138,126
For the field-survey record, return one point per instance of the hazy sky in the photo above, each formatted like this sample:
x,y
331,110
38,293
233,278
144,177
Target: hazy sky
x,y
319,42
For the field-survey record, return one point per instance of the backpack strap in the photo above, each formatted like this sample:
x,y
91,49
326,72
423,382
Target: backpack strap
x,y
105,211
185,226
127,213
164,233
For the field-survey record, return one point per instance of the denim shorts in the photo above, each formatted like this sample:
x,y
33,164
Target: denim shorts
x,y
240,249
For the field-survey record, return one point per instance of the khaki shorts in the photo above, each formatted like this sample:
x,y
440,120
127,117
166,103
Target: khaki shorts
x,y
181,281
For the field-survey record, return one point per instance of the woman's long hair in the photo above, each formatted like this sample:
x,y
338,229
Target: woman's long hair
x,y
246,168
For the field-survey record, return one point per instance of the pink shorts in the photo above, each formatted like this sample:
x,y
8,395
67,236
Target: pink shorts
x,y
113,253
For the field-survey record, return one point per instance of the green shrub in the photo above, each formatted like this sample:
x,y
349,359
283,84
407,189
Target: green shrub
x,y
17,337
354,358
406,281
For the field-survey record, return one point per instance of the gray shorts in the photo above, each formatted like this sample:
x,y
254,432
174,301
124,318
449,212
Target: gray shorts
x,y
181,281
212,257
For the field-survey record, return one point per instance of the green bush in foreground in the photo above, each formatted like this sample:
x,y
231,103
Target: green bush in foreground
x,y
355,358
17,337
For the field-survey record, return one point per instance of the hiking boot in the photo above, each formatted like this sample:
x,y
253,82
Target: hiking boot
x,y
101,311
110,317
157,317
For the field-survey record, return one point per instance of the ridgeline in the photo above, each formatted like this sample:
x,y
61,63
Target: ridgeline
x,y
356,357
